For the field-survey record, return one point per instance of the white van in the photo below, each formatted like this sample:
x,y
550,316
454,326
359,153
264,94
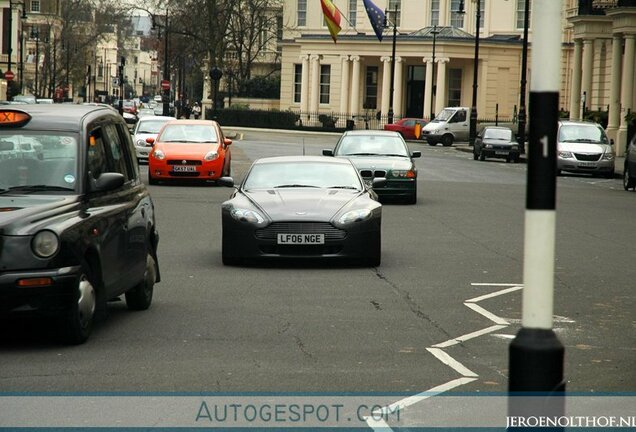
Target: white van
x,y
450,125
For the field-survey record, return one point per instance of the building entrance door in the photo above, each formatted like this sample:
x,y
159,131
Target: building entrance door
x,y
415,91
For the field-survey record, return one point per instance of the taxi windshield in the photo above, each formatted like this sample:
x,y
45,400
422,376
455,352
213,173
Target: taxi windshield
x,y
42,162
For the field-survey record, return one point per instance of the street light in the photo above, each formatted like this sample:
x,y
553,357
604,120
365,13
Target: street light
x,y
386,24
435,32
166,64
524,67
10,39
473,108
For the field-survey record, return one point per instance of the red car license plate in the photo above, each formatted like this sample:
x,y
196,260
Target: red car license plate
x,y
184,168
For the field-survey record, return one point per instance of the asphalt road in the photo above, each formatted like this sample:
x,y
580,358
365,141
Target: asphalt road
x,y
423,319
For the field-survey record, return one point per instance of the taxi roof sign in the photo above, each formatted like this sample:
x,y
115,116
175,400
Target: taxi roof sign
x,y
11,118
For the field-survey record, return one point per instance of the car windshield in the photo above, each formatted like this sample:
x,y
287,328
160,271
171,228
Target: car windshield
x,y
188,133
444,115
150,126
302,175
500,134
362,145
42,161
591,134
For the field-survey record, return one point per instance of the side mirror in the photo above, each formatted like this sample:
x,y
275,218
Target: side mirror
x,y
378,182
107,181
227,141
327,152
150,141
225,181
416,154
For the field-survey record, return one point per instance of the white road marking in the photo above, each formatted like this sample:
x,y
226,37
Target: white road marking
x,y
495,294
451,362
494,284
377,425
504,336
469,336
491,316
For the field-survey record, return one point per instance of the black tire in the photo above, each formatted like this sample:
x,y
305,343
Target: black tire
x,y
230,261
78,323
515,158
432,144
140,297
151,179
482,156
558,172
447,140
412,199
609,175
375,258
628,181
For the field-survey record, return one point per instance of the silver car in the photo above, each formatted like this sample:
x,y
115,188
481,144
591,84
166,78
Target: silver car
x,y
583,147
147,127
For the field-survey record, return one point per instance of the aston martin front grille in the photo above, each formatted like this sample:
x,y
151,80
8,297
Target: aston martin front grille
x,y
270,232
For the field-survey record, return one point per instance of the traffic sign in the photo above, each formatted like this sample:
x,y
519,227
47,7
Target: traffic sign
x,y
165,84
9,75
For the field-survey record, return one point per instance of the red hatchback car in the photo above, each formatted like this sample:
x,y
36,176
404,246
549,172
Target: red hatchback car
x,y
407,127
189,150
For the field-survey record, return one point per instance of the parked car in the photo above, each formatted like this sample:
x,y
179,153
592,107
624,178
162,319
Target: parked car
x,y
450,125
28,99
303,207
629,169
189,150
381,154
409,128
583,147
77,226
496,142
144,112
147,127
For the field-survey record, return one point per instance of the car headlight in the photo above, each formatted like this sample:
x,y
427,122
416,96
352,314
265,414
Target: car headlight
x,y
608,156
245,215
211,155
142,143
403,173
45,244
354,216
159,155
566,155
487,145
514,147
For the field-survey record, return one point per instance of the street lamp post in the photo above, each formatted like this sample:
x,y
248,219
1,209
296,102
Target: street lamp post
x,y
166,71
524,68
392,86
473,108
10,40
435,32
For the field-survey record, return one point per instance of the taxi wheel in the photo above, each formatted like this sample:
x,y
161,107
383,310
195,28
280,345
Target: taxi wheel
x,y
79,322
140,297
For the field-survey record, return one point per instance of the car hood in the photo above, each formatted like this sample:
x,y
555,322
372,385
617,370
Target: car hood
x,y
385,163
301,204
584,147
185,150
23,214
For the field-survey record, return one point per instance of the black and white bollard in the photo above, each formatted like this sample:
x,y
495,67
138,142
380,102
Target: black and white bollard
x,y
536,354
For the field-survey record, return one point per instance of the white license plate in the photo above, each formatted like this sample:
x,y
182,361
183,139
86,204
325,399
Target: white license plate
x,y
501,152
301,239
587,164
184,168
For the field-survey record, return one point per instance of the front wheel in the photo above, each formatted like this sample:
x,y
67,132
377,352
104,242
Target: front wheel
x,y
78,324
375,258
140,297
447,140
629,182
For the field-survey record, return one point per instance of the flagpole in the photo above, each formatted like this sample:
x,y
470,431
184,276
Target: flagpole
x,y
392,88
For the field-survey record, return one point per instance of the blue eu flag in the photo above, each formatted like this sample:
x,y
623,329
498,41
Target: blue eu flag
x,y
376,16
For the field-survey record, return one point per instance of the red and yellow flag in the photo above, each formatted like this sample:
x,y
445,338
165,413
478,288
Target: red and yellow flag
x,y
333,17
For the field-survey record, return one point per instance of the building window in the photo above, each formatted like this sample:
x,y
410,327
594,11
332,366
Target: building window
x,y
353,12
457,18
434,12
371,88
298,78
302,13
393,5
100,70
325,77
35,6
482,7
279,28
521,11
454,87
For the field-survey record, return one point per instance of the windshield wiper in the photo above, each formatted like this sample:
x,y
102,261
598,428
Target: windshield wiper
x,y
295,186
343,187
38,188
393,154
585,140
361,154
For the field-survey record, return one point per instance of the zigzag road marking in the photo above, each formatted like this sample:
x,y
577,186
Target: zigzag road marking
x,y
468,376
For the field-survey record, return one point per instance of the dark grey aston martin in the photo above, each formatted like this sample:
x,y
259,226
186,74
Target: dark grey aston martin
x,y
302,207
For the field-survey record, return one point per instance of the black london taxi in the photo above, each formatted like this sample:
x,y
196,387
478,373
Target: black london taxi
x,y
77,225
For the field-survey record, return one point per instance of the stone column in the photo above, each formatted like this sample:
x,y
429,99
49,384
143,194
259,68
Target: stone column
x,y
588,69
613,120
304,84
386,86
428,87
444,12
440,92
398,106
627,93
355,86
575,95
315,84
344,88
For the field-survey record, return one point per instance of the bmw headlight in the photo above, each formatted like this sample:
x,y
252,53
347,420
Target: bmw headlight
x,y
354,216
487,145
244,215
211,155
159,155
403,173
608,156
45,244
566,155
